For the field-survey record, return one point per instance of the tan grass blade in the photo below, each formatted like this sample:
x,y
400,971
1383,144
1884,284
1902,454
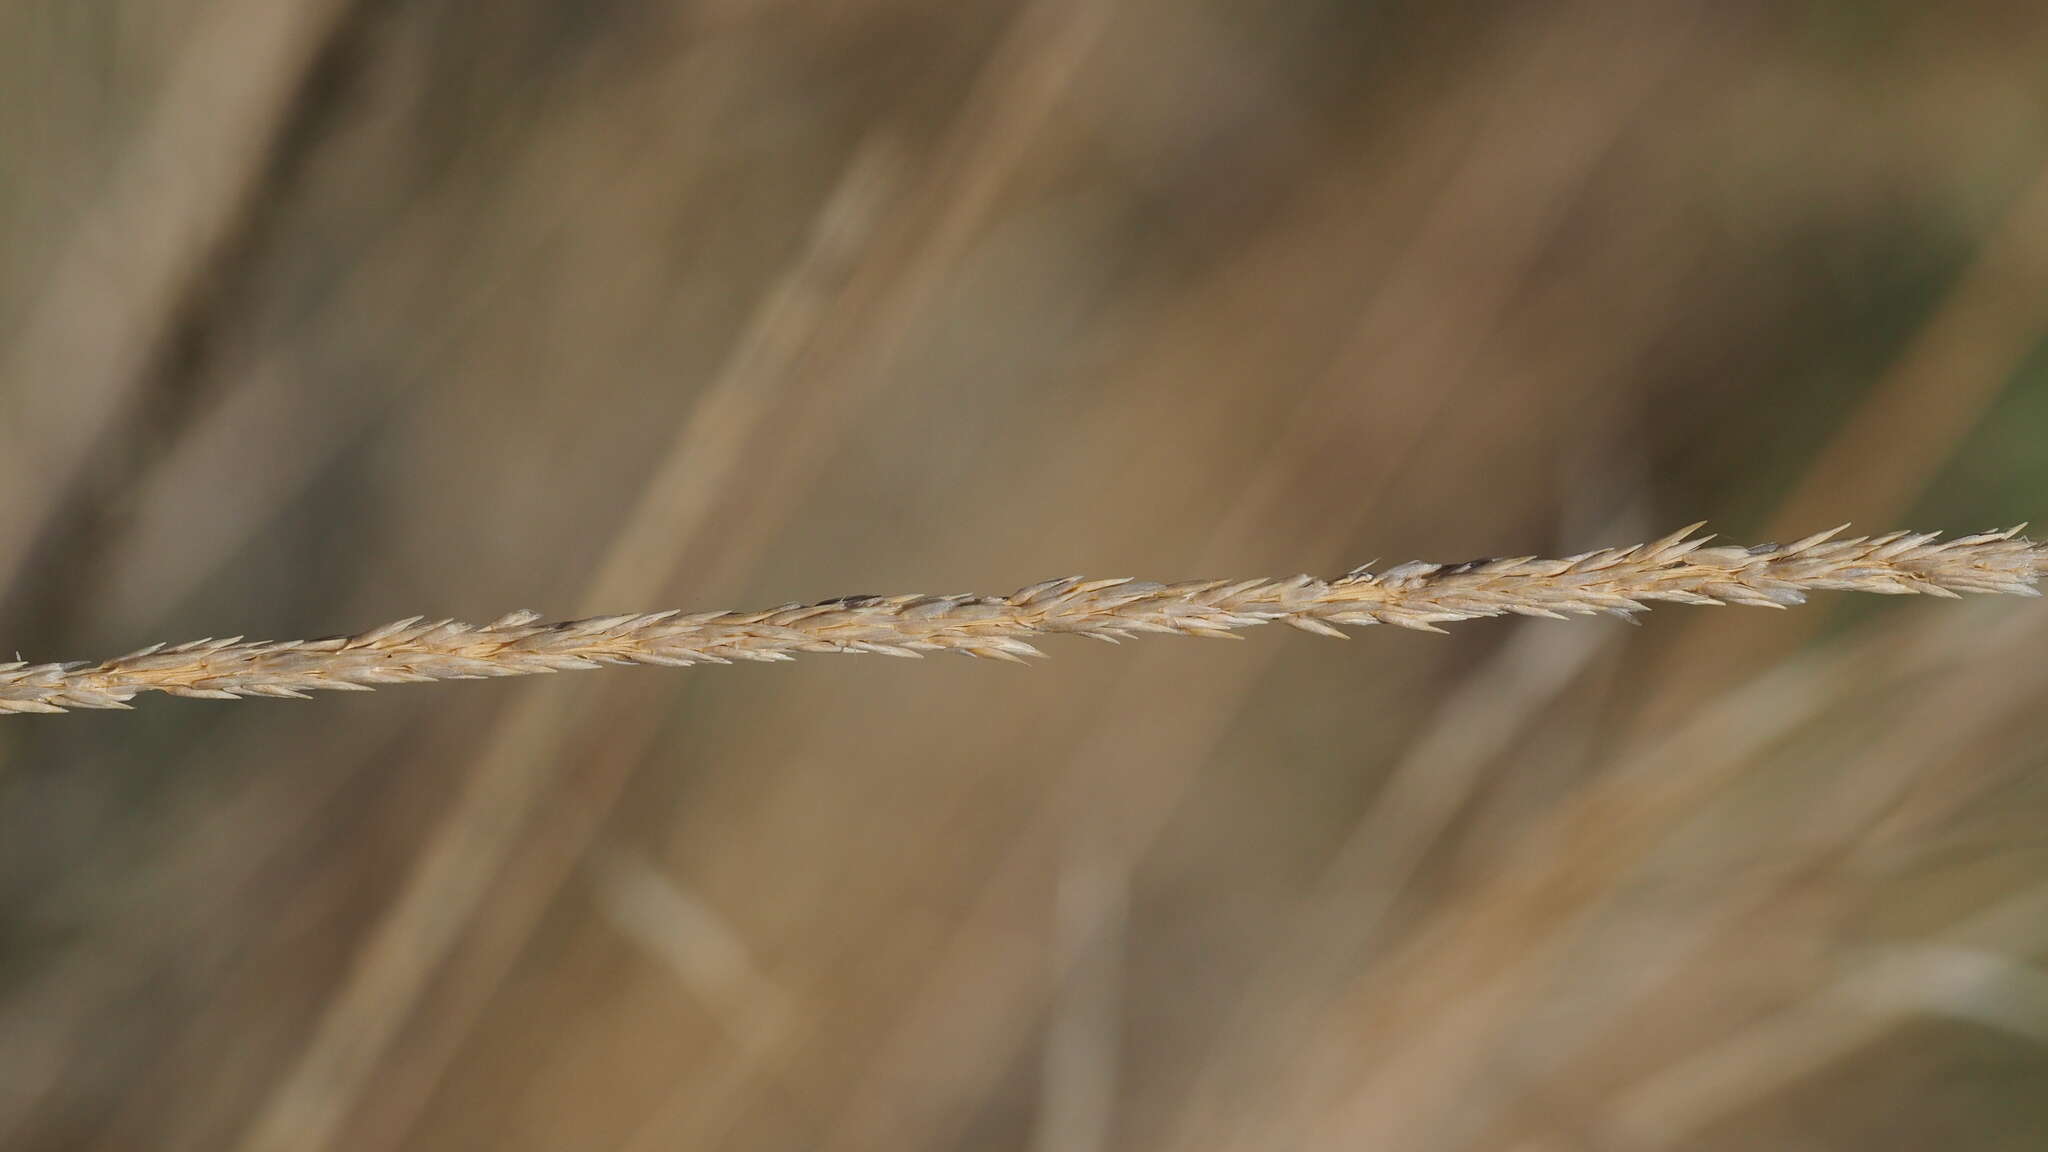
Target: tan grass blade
x,y
1681,568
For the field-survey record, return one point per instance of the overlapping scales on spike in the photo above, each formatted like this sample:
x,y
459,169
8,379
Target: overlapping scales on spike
x,y
1682,568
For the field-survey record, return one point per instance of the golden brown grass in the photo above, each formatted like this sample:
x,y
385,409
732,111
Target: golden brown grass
x,y
1680,568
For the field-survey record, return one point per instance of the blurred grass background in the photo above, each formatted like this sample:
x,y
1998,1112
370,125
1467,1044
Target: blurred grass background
x,y
320,313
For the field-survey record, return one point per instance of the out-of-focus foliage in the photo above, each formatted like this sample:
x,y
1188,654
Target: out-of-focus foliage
x,y
324,313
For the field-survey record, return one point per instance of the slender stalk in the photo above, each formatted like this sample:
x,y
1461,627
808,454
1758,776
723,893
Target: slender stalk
x,y
1681,568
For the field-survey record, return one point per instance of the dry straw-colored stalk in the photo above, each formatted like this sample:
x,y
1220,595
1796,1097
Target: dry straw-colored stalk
x,y
1680,569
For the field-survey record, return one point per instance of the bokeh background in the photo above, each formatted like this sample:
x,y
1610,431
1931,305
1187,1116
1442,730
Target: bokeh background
x,y
319,313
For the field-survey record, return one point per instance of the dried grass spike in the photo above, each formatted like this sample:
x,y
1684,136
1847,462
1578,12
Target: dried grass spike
x,y
1680,568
